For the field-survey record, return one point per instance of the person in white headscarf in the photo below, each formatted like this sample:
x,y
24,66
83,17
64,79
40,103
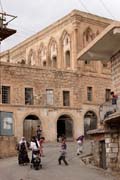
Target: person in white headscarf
x,y
22,152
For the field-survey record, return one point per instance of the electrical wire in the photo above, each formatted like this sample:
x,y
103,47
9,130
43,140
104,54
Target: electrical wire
x,y
84,6
107,9
1,6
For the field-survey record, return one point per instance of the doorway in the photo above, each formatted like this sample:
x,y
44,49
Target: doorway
x,y
65,127
29,126
102,151
90,122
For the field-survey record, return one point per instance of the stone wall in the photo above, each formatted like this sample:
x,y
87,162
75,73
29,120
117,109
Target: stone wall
x,y
113,151
7,146
19,76
25,67
116,73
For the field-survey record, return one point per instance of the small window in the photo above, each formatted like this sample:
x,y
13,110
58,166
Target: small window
x,y
49,94
107,94
29,96
66,98
67,58
105,64
54,61
44,63
5,94
89,93
86,62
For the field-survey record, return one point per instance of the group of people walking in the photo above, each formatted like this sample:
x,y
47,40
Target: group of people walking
x,y
36,146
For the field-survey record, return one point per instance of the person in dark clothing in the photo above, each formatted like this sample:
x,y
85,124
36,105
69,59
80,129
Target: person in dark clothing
x,y
63,152
22,152
38,132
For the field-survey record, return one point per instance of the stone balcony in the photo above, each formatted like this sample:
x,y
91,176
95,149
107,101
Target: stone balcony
x,y
107,110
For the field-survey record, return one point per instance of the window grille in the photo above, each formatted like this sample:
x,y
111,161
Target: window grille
x,y
5,94
89,93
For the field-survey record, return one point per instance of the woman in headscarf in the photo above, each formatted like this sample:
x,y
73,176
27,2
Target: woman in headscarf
x,y
22,152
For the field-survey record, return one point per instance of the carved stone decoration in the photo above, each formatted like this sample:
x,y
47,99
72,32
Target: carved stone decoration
x,y
53,53
88,36
31,57
42,55
66,45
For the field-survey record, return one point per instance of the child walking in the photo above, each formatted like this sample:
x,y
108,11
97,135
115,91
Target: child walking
x,y
80,144
63,152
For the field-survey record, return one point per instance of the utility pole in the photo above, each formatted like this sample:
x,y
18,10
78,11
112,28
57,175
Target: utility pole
x,y
5,32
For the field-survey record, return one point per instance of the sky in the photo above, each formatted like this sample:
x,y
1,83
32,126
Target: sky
x,y
33,16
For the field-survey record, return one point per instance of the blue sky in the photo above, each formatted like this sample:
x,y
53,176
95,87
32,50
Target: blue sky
x,y
32,16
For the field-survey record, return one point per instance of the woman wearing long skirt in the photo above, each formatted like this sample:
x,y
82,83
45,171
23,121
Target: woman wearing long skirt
x,y
23,158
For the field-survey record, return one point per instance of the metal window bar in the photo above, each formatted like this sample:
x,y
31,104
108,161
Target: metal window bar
x,y
89,93
6,94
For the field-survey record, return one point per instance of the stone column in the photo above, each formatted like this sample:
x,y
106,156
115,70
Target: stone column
x,y
74,45
60,55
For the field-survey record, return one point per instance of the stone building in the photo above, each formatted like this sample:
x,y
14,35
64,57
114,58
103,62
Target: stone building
x,y
43,83
106,146
6,141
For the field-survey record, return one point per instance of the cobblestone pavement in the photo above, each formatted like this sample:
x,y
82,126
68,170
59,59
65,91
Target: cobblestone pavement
x,y
10,170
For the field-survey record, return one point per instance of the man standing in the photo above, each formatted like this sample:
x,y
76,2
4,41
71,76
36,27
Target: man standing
x,y
114,101
62,156
38,132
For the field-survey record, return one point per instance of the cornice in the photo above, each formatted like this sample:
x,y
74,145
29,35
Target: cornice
x,y
74,17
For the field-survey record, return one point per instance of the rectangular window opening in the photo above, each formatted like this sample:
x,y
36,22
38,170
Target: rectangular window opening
x,y
49,98
66,98
29,96
89,93
107,94
6,94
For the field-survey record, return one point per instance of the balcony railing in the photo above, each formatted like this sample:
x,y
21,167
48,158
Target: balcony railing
x,y
107,108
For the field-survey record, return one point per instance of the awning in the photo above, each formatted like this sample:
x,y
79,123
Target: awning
x,y
6,32
101,131
104,46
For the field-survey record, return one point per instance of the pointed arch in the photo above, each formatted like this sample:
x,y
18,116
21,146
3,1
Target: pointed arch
x,y
64,35
42,55
53,52
88,35
66,49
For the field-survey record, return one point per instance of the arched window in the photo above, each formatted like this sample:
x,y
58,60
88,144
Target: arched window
x,y
53,53
42,55
66,49
88,36
67,59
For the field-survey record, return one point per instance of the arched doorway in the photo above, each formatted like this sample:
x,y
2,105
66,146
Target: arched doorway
x,y
30,125
65,127
90,122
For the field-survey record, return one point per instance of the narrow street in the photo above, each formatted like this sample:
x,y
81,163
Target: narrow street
x,y
10,170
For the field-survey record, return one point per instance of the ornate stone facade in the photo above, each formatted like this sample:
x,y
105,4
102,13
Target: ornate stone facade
x,y
62,89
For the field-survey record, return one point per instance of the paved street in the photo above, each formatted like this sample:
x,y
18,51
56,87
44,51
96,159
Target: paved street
x,y
10,170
